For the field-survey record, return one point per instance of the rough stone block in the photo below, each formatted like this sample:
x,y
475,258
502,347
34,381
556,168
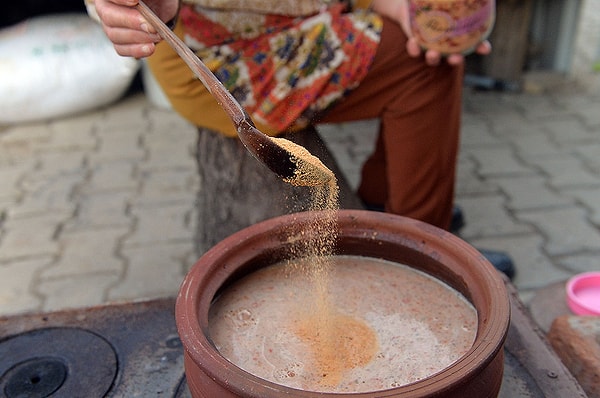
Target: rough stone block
x,y
575,340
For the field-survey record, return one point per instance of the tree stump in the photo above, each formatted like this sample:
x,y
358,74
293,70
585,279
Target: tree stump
x,y
236,190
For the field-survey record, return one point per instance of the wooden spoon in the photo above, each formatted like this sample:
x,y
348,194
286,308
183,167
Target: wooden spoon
x,y
292,162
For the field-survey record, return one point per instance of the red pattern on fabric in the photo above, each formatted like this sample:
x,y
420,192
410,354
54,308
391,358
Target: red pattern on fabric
x,y
296,68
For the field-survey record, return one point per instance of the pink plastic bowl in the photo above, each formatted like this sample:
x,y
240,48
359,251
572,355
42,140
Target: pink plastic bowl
x,y
583,293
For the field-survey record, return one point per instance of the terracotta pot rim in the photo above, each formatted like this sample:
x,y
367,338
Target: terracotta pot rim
x,y
491,333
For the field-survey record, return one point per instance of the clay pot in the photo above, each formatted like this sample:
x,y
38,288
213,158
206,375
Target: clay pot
x,y
477,374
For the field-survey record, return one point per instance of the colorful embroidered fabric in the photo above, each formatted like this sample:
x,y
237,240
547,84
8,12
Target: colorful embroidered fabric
x,y
284,70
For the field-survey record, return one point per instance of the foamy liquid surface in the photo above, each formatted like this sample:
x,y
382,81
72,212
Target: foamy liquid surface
x,y
385,325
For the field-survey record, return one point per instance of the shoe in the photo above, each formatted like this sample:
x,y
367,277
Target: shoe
x,y
501,261
458,220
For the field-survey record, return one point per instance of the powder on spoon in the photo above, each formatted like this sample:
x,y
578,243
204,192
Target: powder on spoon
x,y
310,171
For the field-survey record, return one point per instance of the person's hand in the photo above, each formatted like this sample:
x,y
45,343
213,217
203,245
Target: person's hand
x,y
397,10
129,32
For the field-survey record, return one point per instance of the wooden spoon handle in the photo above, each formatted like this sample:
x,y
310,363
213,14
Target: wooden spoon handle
x,y
212,84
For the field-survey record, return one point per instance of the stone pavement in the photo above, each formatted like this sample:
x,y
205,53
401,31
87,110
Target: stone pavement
x,y
99,207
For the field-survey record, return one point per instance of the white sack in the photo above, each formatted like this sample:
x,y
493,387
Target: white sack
x,y
57,65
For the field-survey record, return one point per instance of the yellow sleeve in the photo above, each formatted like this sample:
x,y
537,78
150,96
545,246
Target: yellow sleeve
x,y
361,3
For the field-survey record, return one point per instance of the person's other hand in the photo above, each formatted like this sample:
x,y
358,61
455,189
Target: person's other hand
x,y
397,10
433,57
129,32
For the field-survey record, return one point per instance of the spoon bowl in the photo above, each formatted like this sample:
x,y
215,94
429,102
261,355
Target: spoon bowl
x,y
290,161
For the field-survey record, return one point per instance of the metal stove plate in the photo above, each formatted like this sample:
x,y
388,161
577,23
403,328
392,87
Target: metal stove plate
x,y
69,361
147,355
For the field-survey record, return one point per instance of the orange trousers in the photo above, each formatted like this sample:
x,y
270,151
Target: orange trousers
x,y
412,170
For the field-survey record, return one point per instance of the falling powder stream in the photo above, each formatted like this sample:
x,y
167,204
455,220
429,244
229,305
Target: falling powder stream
x,y
336,341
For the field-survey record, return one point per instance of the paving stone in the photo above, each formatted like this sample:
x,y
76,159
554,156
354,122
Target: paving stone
x,y
75,291
130,112
9,182
21,141
174,156
580,262
5,205
590,155
534,269
111,176
163,121
51,194
509,124
168,127
161,224
169,186
570,130
13,158
470,117
499,161
73,133
535,143
101,209
356,140
539,107
490,103
590,198
58,163
17,280
366,129
565,171
468,181
487,216
478,134
585,107
179,143
29,237
152,271
122,143
529,192
77,123
190,259
88,252
591,116
567,230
